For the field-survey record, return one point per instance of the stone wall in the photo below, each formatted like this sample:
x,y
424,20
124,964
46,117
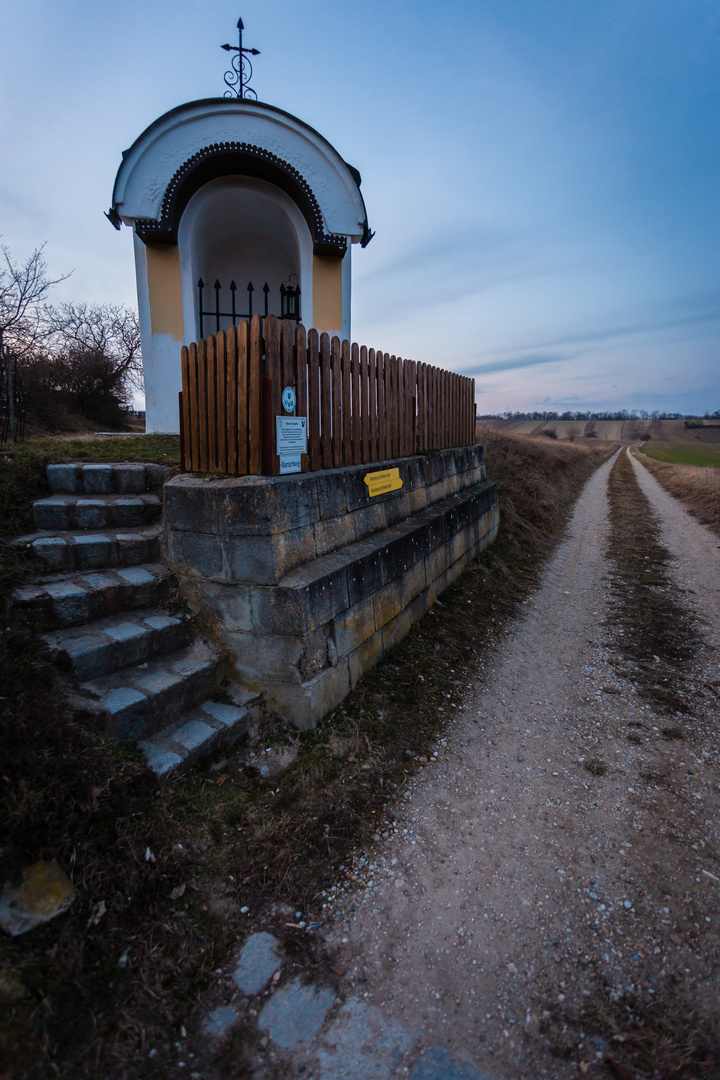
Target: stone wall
x,y
306,580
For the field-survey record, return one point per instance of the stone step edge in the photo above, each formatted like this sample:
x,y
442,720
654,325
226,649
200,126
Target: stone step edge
x,y
209,727
38,583
66,478
68,536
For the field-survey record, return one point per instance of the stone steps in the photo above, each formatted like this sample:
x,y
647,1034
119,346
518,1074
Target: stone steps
x,y
104,479
72,551
94,590
65,512
211,726
71,600
149,701
101,647
143,698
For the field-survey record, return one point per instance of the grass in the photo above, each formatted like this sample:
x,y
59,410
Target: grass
x,y
234,839
659,638
698,488
683,453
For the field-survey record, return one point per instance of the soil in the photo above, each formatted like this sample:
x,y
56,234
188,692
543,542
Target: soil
x,y
545,901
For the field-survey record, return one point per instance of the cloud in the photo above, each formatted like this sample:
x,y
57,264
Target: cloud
x,y
515,362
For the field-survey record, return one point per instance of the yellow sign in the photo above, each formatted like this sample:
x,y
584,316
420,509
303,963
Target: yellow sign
x,y
380,482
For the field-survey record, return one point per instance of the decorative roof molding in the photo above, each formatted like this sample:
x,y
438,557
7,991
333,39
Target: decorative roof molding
x,y
237,159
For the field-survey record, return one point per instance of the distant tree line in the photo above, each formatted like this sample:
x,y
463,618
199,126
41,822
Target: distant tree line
x,y
621,414
71,360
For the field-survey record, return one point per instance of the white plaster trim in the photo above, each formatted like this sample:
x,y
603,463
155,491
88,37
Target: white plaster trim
x,y
166,145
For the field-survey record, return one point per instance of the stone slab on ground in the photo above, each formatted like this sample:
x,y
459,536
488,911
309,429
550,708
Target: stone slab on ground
x,y
257,963
295,1013
438,1064
219,1022
362,1042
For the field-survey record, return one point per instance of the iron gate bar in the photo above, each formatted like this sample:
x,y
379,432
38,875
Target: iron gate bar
x,y
289,304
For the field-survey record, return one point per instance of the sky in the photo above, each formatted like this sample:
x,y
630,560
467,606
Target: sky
x,y
543,176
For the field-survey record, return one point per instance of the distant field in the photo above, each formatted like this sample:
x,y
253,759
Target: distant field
x,y
671,432
684,453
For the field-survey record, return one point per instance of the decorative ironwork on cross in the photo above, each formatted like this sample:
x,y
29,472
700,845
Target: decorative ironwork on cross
x,y
240,73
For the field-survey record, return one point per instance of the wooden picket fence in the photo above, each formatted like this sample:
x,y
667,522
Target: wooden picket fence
x,y
362,405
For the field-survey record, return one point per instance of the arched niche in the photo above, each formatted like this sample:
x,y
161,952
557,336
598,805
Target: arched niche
x,y
245,230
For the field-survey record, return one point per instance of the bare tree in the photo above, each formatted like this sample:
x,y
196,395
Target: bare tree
x,y
23,292
109,332
573,432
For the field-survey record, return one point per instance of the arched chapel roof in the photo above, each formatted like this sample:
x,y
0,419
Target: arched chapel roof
x,y
202,140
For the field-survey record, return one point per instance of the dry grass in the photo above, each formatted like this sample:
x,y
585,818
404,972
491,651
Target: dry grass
x,y
235,838
697,487
659,639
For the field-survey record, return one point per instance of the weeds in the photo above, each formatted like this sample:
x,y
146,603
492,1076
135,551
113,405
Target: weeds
x,y
657,637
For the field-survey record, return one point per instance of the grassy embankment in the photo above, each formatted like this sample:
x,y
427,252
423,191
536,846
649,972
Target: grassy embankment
x,y
696,486
234,840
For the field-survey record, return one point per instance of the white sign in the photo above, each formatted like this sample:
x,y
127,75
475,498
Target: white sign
x,y
288,399
290,463
291,434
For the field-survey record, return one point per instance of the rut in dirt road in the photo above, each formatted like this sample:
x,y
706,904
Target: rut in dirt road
x,y
545,900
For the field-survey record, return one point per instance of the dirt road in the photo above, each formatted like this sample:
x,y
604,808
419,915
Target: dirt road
x,y
545,900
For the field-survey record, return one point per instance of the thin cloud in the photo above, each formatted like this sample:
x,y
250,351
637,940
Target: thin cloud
x,y
515,362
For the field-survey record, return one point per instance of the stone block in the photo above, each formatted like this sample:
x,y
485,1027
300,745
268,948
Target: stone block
x,y
258,961
193,734
331,494
279,657
64,478
393,598
221,1019
90,514
225,715
303,704
134,548
191,505
295,1013
155,476
263,560
394,631
365,573
354,626
198,552
52,513
228,604
370,520
398,509
127,512
305,599
438,1063
160,760
335,533
97,479
267,506
403,547
365,657
93,551
436,587
52,551
129,479
363,1043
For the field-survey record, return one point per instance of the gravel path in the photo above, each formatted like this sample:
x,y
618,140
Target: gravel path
x,y
548,861
695,548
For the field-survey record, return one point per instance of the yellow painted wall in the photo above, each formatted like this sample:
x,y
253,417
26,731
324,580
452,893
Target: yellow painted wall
x,y
327,293
164,290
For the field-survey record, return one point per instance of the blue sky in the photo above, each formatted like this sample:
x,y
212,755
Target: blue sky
x,y
543,177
